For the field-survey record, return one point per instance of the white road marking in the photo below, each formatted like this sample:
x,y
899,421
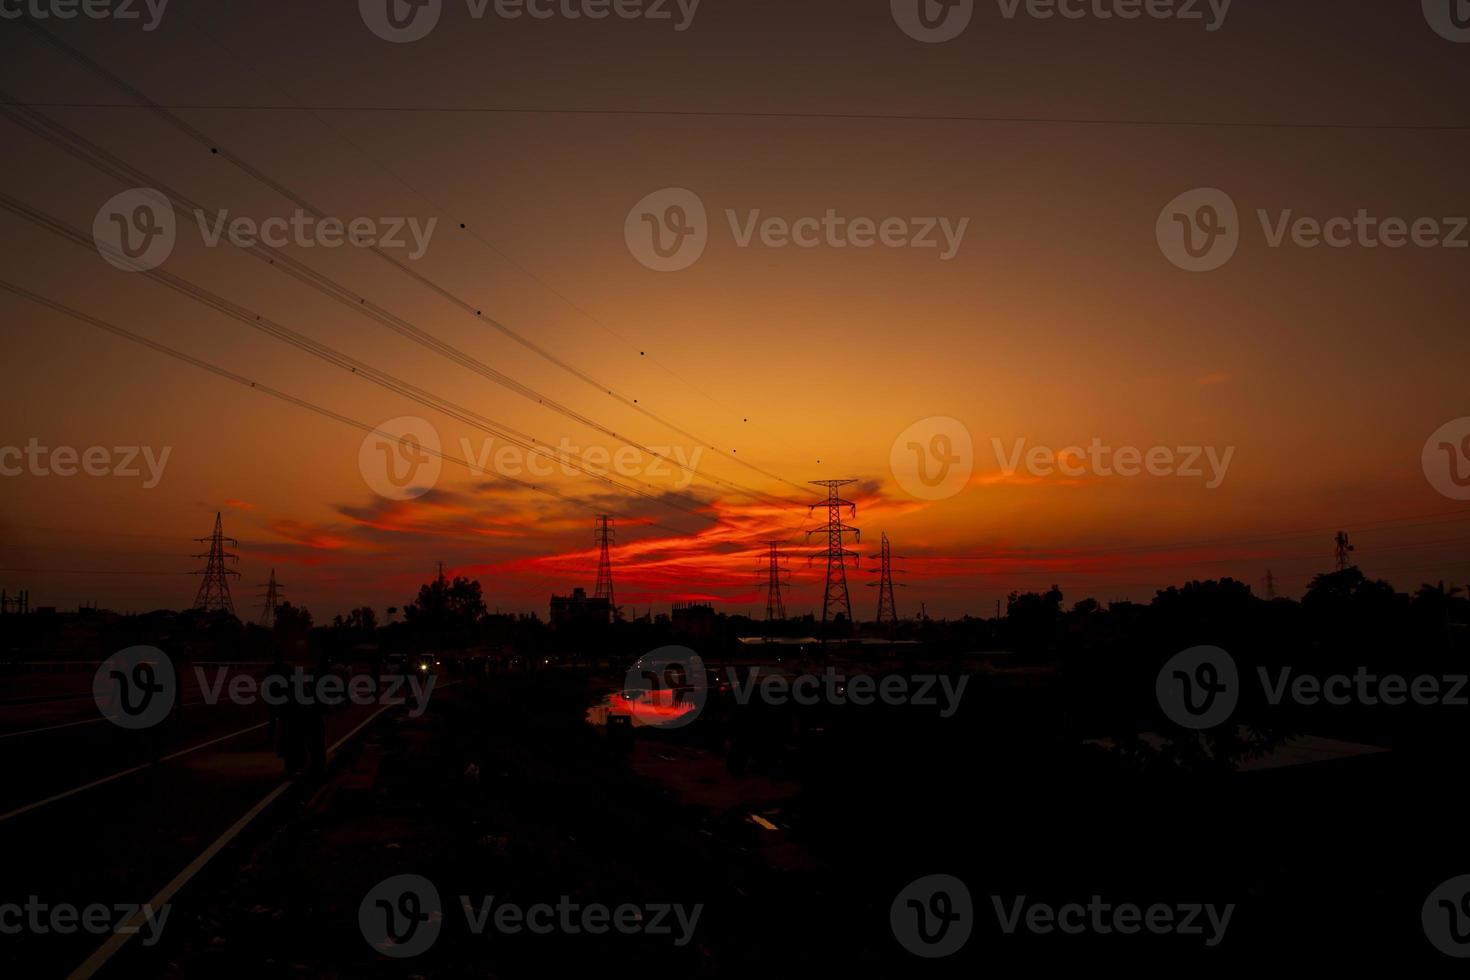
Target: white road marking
x,y
73,724
52,728
119,775
116,941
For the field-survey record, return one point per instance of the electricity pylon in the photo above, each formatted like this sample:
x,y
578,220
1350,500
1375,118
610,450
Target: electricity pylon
x,y
604,588
886,609
836,552
1343,550
774,572
272,597
214,590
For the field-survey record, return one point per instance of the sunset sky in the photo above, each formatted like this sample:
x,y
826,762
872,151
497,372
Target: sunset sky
x,y
1058,321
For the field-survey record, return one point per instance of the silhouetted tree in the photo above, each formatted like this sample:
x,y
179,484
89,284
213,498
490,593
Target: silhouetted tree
x,y
1351,612
1033,619
1085,607
1214,611
1436,608
292,627
362,619
445,612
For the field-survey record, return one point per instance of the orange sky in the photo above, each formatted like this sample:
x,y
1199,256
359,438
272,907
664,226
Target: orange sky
x,y
1058,322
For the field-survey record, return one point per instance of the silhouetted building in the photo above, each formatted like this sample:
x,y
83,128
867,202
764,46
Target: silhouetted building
x,y
580,609
694,618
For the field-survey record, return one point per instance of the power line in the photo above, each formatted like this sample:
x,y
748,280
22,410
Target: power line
x,y
63,548
775,114
469,229
1421,520
340,360
83,571
324,285
292,399
69,530
89,152
1316,556
216,149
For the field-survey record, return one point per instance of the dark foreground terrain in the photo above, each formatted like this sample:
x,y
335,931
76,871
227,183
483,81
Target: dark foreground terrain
x,y
794,833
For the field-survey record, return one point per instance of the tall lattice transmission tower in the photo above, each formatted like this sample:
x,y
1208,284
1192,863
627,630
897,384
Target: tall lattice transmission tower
x,y
836,552
774,571
1344,550
1270,585
604,588
214,589
887,612
272,597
